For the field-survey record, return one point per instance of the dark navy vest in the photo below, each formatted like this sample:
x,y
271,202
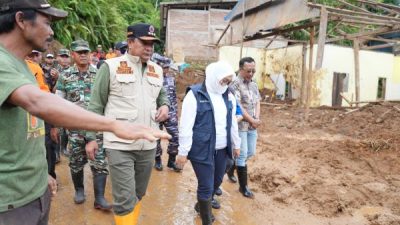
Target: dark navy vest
x,y
204,136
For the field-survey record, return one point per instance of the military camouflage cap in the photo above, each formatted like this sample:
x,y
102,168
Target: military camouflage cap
x,y
40,5
63,51
80,45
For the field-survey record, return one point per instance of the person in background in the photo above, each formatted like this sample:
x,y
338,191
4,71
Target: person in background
x,y
99,51
209,133
111,53
246,92
120,48
75,85
63,63
94,61
33,60
171,124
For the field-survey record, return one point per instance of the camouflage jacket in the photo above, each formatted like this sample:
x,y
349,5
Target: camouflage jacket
x,y
170,87
75,86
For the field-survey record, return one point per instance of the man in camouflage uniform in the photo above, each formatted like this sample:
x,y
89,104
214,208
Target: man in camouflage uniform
x,y
171,124
63,63
75,85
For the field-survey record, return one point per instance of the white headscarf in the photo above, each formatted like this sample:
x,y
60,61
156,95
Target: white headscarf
x,y
215,72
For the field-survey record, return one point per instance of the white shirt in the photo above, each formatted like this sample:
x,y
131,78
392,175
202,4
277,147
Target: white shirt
x,y
188,117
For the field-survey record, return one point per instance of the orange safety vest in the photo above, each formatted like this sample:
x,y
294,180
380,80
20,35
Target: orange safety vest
x,y
39,75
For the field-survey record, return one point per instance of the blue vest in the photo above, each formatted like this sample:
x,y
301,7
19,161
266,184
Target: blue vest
x,y
204,136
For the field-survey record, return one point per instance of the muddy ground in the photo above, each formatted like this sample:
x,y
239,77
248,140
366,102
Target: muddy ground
x,y
337,168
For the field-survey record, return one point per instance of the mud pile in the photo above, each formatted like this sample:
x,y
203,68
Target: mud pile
x,y
339,162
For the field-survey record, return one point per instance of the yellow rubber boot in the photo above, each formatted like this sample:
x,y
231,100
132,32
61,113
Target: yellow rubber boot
x,y
129,219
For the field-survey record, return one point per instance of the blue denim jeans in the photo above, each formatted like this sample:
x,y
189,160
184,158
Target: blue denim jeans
x,y
248,146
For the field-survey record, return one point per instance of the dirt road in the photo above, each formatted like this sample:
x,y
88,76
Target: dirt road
x,y
336,169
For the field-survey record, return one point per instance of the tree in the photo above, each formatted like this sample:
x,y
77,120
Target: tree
x,y
102,21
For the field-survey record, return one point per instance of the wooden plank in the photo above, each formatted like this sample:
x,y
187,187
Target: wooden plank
x,y
303,91
378,46
353,13
381,39
353,6
366,33
365,19
356,48
380,4
321,38
222,35
310,72
356,21
280,31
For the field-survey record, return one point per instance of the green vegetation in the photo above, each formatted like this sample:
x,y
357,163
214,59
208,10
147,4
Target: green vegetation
x,y
102,21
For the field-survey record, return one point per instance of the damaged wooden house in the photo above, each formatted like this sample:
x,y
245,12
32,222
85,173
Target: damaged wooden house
x,y
340,63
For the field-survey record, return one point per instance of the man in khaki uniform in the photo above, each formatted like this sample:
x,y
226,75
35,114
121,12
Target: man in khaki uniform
x,y
130,88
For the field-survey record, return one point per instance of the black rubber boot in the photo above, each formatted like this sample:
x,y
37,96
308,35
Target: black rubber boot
x,y
231,174
218,192
171,163
242,175
215,204
204,208
99,185
77,179
158,164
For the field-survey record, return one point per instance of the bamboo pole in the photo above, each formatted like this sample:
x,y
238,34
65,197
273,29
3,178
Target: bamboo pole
x,y
310,71
356,48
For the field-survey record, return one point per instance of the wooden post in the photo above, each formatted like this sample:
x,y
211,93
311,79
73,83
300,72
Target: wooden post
x,y
323,24
303,91
243,16
356,47
310,72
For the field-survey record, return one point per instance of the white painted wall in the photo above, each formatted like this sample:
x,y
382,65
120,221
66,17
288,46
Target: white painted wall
x,y
373,65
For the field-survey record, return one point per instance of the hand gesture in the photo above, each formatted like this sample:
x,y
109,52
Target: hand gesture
x,y
162,113
181,161
91,148
129,131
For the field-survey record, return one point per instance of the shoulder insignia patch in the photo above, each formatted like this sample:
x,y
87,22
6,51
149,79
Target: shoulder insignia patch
x,y
124,68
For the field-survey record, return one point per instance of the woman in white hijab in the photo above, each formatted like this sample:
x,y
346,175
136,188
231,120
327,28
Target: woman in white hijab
x,y
208,134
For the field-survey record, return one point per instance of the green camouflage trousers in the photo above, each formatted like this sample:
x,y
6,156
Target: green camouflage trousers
x,y
78,157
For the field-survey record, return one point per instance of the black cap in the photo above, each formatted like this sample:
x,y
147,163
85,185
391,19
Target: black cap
x,y
39,5
121,44
143,31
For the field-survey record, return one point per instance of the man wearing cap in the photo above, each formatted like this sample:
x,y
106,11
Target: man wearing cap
x,y
63,63
130,88
25,186
63,60
120,48
50,71
171,124
75,85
